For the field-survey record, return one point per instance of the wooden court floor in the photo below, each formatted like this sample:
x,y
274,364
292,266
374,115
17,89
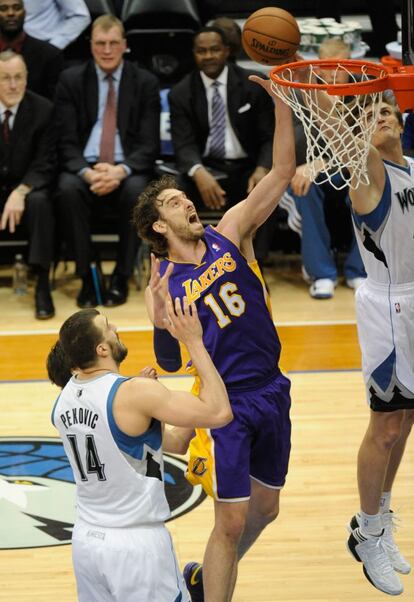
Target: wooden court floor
x,y
299,558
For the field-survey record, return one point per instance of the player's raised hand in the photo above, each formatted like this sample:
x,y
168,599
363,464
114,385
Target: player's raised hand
x,y
266,83
182,321
148,372
159,289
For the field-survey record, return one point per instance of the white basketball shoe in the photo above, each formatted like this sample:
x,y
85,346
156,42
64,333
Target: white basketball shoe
x,y
376,564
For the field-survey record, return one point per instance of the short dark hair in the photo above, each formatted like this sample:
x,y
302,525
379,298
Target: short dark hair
x,y
146,213
57,365
212,29
232,32
79,337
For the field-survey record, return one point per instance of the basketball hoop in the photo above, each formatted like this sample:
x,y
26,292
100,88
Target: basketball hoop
x,y
338,131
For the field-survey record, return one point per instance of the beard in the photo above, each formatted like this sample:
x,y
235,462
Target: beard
x,y
186,233
119,351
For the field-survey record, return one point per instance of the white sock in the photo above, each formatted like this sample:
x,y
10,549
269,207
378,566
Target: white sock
x,y
370,524
385,502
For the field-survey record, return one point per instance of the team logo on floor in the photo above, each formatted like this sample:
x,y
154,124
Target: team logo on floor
x,y
37,492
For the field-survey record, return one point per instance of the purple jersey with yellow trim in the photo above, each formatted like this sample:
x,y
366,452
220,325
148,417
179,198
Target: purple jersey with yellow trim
x,y
238,329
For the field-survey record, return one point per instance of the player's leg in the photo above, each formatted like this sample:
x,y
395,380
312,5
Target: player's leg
x,y
220,462
383,432
86,549
365,542
145,567
221,555
398,450
263,509
269,459
389,518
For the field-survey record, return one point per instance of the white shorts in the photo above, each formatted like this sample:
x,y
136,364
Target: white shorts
x,y
385,319
126,565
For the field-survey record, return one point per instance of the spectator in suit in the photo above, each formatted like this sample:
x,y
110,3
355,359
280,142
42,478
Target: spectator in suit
x,y
318,212
59,22
220,121
44,62
108,114
27,148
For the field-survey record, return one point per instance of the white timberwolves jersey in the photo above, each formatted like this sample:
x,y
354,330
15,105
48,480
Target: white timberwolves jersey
x,y
386,235
119,478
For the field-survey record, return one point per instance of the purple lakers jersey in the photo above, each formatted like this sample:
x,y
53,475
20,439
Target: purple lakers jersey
x,y
238,329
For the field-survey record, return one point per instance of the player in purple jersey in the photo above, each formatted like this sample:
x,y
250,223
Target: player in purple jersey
x,y
246,462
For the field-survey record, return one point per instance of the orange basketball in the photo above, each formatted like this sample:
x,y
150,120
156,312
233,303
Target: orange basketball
x,y
270,36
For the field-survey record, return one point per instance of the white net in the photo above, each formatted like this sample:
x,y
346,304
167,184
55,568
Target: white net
x,y
338,130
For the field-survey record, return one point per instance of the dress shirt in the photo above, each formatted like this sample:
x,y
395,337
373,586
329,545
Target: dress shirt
x,y
15,44
234,149
59,22
91,151
13,111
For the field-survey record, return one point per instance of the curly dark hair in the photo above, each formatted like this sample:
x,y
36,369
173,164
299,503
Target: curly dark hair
x,y
79,337
58,366
146,213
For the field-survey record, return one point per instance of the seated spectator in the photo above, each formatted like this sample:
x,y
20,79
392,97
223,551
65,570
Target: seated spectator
x,y
26,165
408,135
214,110
59,22
221,129
108,114
44,62
309,205
233,34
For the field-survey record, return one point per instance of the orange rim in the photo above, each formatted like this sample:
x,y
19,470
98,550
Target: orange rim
x,y
380,82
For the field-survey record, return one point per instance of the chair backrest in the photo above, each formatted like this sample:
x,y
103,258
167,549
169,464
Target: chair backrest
x,y
161,15
100,7
168,55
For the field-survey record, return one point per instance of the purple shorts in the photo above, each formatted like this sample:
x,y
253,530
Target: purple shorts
x,y
256,444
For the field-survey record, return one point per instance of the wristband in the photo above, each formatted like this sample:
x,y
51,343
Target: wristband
x,y
167,350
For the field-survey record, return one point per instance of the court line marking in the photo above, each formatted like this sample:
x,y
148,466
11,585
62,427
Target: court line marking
x,y
5,333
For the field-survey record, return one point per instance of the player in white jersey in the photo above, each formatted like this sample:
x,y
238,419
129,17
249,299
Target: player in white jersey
x,y
383,216
111,428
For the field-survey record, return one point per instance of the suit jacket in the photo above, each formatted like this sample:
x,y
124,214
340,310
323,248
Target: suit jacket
x,y
29,158
251,115
44,64
138,115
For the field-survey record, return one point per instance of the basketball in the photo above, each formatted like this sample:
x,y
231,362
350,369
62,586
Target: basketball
x,y
270,36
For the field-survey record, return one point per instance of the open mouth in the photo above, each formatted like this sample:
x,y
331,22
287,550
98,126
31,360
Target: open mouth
x,y
193,218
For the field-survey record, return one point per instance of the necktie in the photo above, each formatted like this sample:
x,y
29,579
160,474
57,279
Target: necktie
x,y
6,125
218,125
107,146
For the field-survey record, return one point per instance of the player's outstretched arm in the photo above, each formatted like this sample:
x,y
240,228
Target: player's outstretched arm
x,y
365,197
244,219
140,399
166,347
